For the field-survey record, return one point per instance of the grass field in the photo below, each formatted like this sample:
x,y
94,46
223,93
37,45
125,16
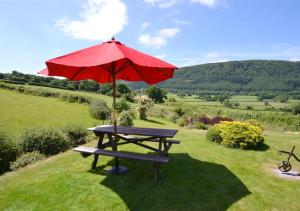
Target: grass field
x,y
200,176
20,111
243,100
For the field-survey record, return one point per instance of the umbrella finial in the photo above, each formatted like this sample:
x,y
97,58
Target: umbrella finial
x,y
113,38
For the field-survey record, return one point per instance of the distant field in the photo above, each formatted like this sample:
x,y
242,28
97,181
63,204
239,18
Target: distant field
x,y
243,101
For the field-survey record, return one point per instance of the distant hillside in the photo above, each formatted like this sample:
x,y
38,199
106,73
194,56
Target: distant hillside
x,y
238,76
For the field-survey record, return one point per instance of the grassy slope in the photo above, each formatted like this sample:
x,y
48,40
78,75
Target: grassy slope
x,y
20,111
201,175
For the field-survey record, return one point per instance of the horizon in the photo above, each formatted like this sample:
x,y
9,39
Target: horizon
x,y
246,60
184,33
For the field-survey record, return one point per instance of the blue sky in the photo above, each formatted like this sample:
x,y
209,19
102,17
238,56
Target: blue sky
x,y
183,32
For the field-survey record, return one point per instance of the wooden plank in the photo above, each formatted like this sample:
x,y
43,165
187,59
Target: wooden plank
x,y
90,150
150,140
157,132
128,155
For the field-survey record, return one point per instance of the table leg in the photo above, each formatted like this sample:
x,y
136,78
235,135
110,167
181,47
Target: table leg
x,y
116,169
99,145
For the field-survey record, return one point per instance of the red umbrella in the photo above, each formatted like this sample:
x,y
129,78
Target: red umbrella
x,y
108,62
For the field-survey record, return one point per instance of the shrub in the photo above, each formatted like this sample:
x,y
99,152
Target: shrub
x,y
27,159
144,103
125,119
227,103
236,104
214,134
256,123
219,119
200,125
172,99
8,151
83,99
72,98
248,107
184,121
20,89
174,117
76,134
296,109
205,120
99,110
122,105
236,135
64,97
48,141
282,98
179,111
128,97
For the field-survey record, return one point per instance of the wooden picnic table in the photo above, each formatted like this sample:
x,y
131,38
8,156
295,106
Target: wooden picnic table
x,y
131,135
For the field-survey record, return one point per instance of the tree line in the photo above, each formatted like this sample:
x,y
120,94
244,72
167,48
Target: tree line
x,y
158,95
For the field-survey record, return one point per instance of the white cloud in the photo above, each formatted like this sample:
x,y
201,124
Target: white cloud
x,y
145,25
154,41
161,56
57,51
181,22
168,32
209,3
170,3
212,57
99,20
161,3
160,39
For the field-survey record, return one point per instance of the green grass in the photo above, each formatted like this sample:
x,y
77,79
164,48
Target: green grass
x,y
20,111
201,175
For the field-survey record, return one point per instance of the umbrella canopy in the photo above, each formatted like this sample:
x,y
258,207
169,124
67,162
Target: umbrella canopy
x,y
108,62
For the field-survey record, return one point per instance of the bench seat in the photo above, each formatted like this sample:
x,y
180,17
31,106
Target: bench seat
x,y
127,155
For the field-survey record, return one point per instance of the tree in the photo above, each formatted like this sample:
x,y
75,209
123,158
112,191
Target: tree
x,y
223,97
296,109
105,89
122,105
227,103
156,94
89,85
123,89
282,98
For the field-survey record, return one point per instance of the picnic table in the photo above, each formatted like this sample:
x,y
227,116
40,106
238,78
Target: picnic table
x,y
130,135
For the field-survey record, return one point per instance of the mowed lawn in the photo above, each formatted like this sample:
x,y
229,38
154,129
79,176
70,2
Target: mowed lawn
x,y
201,175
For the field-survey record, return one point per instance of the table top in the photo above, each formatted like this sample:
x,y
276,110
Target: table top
x,y
155,132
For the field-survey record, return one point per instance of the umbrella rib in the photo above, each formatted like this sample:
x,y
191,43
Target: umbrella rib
x,y
77,73
164,71
123,67
106,67
136,70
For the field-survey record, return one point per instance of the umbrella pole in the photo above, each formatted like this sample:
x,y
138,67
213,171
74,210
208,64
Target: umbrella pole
x,y
116,169
114,118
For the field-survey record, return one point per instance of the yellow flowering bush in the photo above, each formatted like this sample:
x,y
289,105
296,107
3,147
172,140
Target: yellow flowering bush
x,y
236,134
